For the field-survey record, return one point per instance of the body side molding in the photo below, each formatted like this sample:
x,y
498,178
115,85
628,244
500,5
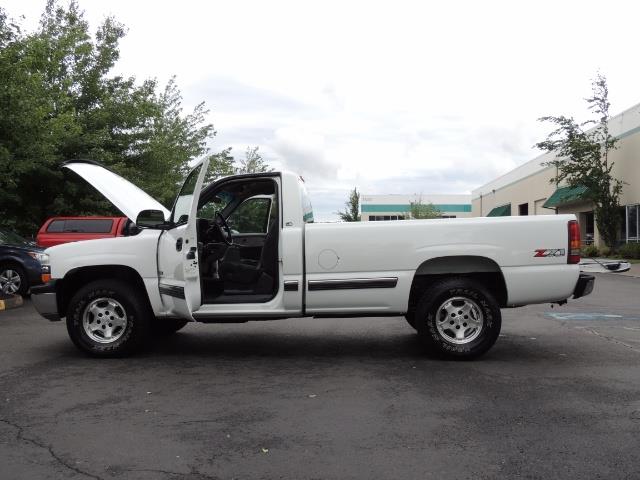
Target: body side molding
x,y
353,284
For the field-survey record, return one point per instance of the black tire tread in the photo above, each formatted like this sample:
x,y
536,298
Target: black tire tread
x,y
433,297
138,313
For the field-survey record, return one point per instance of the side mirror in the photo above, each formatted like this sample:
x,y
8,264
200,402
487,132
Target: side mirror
x,y
152,219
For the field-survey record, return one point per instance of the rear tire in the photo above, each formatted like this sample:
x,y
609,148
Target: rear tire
x,y
458,318
108,318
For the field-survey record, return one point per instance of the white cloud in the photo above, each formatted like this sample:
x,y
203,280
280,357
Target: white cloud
x,y
394,96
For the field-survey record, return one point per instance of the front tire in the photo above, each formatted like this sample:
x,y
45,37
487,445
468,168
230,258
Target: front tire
x,y
108,318
13,280
458,318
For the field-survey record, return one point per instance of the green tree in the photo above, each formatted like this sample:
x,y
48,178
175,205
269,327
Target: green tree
x,y
352,210
420,210
582,159
221,164
58,102
253,162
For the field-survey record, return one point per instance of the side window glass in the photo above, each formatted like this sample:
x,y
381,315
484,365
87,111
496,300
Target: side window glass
x,y
56,226
88,226
182,207
252,216
307,209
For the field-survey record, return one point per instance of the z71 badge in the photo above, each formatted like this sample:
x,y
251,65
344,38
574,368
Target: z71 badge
x,y
549,252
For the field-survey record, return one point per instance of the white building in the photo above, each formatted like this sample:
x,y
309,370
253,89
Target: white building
x,y
398,207
529,189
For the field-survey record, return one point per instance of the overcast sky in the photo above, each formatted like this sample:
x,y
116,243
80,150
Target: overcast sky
x,y
391,97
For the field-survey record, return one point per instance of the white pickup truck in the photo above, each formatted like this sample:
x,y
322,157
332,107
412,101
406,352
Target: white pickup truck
x,y
245,248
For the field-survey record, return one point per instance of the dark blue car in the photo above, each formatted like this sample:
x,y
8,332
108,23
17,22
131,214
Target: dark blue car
x,y
20,263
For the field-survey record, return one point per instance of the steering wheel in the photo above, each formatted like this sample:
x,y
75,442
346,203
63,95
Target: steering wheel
x,y
225,231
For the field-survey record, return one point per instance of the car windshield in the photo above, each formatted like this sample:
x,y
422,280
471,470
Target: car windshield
x,y
7,237
216,204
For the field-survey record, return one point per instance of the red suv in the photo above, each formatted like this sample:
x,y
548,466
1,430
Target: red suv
x,y
59,230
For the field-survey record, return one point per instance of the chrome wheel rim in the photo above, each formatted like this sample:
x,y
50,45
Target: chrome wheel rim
x,y
104,320
10,281
459,320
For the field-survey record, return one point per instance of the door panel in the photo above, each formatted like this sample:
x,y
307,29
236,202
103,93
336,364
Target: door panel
x,y
178,269
249,245
249,240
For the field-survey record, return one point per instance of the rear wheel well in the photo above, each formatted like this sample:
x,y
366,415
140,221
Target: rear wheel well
x,y
77,278
480,269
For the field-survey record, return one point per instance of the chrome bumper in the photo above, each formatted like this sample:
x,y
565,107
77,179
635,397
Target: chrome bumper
x,y
45,300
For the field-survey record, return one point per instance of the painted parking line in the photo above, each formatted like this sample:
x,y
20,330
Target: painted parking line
x,y
587,316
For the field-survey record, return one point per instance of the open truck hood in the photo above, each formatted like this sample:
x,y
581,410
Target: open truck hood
x,y
127,198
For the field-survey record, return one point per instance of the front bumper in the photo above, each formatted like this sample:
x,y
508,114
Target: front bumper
x,y
584,286
45,299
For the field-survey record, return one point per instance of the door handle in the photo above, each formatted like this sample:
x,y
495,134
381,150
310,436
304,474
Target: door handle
x,y
179,245
191,254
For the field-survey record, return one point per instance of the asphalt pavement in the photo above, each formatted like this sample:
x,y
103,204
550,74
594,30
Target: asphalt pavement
x,y
557,397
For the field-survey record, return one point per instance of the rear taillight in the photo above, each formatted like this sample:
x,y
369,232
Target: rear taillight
x,y
574,242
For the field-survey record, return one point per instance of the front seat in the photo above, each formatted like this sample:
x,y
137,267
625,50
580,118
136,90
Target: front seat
x,y
260,276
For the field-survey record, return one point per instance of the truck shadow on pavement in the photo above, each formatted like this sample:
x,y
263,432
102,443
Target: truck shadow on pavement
x,y
273,342
347,345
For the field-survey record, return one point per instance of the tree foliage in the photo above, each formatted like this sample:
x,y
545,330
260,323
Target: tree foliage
x,y
59,102
582,159
421,211
253,162
352,210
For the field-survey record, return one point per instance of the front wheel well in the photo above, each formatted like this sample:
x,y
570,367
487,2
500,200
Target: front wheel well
x,y
77,278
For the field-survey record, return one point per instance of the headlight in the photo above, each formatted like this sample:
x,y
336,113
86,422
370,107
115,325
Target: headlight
x,y
43,258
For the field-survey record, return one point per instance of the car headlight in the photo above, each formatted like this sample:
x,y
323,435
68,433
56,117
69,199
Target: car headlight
x,y
43,258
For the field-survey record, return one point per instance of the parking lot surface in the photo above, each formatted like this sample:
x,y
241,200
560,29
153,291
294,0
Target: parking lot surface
x,y
557,397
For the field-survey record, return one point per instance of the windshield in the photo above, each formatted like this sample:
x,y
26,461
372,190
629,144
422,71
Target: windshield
x,y
7,237
217,204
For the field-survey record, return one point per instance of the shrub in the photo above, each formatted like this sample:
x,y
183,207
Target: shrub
x,y
589,251
605,251
630,250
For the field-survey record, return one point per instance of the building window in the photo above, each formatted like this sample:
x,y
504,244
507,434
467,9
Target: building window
x,y
380,218
633,226
523,209
587,220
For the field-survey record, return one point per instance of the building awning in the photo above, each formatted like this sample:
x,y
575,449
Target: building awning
x,y
501,211
564,195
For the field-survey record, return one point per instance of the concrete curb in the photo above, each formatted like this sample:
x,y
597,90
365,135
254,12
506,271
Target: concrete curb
x,y
10,301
